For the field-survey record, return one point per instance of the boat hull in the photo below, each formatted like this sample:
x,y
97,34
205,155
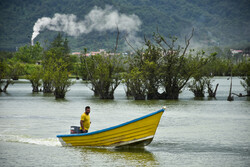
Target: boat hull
x,y
138,132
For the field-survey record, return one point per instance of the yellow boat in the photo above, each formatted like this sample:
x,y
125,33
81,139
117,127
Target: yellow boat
x,y
137,132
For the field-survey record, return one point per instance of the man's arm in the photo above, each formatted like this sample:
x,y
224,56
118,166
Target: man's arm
x,y
81,123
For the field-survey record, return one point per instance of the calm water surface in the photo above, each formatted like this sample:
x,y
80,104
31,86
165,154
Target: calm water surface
x,y
192,132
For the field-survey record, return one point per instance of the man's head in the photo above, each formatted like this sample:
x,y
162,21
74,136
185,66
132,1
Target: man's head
x,y
87,110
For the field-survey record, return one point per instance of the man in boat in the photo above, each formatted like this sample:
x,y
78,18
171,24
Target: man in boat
x,y
85,121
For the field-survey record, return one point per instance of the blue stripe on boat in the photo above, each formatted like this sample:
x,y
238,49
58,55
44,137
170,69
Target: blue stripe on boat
x,y
114,127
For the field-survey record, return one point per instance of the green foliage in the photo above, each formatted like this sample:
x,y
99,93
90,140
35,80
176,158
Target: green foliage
x,y
142,77
210,91
4,55
165,66
35,78
61,45
47,77
243,68
29,54
134,78
56,77
11,69
244,72
56,64
29,68
104,74
136,83
198,87
176,66
60,79
4,70
5,76
202,76
85,63
151,67
16,69
59,49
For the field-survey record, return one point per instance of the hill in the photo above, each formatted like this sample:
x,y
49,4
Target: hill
x,y
215,22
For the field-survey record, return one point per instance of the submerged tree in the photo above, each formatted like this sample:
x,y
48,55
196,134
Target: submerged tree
x,y
142,75
47,76
152,68
213,65
104,74
244,72
163,65
56,77
10,70
210,91
61,81
201,77
56,65
167,66
134,77
176,69
16,69
137,83
5,76
35,78
198,87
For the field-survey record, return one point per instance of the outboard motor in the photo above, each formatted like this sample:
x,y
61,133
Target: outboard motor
x,y
74,129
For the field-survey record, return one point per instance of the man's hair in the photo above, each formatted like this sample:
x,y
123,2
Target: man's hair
x,y
87,107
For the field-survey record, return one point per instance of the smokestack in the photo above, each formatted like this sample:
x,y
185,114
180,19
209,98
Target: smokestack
x,y
32,42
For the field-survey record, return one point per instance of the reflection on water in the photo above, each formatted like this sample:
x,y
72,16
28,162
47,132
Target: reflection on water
x,y
118,157
193,147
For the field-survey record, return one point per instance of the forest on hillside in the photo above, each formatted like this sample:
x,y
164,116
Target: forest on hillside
x,y
216,23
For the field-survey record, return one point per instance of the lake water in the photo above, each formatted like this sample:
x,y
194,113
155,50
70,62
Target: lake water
x,y
192,132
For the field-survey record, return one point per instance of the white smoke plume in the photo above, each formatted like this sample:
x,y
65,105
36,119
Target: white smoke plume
x,y
97,19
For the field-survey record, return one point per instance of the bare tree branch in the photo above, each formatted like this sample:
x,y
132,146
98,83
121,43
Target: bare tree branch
x,y
187,41
159,39
130,45
240,95
117,39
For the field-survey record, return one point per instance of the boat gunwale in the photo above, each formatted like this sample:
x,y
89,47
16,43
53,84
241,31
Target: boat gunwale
x,y
113,127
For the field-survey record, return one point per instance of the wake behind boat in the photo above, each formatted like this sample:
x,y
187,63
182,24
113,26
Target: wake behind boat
x,y
137,132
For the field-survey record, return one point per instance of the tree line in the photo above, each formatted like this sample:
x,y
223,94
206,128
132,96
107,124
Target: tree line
x,y
160,70
47,68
